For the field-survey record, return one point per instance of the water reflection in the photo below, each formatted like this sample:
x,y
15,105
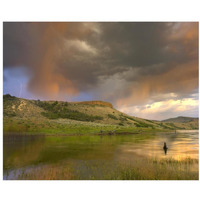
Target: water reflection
x,y
26,152
180,146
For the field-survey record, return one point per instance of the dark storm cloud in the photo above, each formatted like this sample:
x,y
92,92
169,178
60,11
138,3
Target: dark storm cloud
x,y
137,44
125,63
39,46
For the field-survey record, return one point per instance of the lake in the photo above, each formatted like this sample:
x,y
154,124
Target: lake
x,y
95,157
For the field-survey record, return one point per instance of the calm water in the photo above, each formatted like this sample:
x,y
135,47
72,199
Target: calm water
x,y
28,152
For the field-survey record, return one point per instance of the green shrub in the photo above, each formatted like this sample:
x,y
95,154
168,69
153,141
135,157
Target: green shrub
x,y
59,110
122,118
8,97
112,117
167,127
130,118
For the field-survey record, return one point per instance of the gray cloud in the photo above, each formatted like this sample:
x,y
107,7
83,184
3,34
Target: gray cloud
x,y
125,63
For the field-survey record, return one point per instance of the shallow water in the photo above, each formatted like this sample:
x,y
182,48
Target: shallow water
x,y
23,153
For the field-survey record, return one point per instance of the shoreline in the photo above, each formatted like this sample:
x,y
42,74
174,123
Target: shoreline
x,y
11,134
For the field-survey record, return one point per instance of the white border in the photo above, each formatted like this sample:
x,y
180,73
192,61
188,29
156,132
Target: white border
x,y
91,10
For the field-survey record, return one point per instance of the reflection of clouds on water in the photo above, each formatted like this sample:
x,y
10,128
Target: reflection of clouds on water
x,y
180,146
188,131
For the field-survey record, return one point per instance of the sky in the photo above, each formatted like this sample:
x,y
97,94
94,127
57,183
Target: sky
x,y
145,69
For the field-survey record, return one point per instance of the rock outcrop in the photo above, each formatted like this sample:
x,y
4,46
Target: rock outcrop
x,y
103,103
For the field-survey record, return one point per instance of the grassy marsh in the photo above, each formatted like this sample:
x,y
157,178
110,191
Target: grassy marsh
x,y
141,169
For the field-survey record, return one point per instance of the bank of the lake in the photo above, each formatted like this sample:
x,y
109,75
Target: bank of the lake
x,y
85,131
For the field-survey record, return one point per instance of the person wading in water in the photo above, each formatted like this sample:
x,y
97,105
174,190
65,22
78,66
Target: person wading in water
x,y
165,148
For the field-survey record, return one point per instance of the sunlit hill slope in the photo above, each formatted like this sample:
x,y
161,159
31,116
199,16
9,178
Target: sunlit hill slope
x,y
57,117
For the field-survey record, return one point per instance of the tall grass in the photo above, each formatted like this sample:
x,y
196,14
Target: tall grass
x,y
150,169
140,169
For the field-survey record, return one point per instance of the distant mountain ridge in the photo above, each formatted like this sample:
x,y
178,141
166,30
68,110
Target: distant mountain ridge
x,y
181,119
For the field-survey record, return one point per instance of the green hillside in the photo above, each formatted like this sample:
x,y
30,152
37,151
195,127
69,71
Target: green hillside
x,y
90,117
181,119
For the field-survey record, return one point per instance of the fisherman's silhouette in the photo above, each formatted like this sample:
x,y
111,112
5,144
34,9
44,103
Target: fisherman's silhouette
x,y
165,148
